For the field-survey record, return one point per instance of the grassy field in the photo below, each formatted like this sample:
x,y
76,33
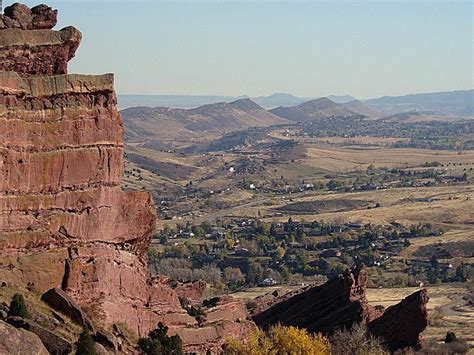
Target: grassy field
x,y
346,159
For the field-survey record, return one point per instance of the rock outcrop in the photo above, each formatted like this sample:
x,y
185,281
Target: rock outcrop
x,y
65,223
400,325
340,303
62,302
336,304
19,341
54,343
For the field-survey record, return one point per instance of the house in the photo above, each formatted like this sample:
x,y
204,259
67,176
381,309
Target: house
x,y
268,282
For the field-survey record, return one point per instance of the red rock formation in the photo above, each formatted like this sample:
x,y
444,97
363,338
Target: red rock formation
x,y
64,221
339,304
336,304
401,325
191,291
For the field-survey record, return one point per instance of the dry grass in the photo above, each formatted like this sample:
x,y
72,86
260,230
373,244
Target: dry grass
x,y
42,313
346,159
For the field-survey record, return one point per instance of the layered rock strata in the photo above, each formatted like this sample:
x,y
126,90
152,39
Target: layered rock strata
x,y
64,220
400,325
339,304
336,304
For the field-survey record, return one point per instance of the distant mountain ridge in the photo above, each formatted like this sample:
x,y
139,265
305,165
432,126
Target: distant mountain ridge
x,y
312,110
165,124
194,101
460,102
359,107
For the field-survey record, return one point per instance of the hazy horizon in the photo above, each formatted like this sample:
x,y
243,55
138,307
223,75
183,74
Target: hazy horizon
x,y
307,49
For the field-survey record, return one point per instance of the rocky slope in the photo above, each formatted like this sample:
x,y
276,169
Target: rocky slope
x,y
64,221
339,304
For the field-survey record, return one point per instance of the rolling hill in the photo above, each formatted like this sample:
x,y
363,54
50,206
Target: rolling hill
x,y
311,110
459,102
362,109
192,101
167,124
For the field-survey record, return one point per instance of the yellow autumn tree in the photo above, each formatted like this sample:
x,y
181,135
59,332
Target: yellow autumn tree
x,y
280,340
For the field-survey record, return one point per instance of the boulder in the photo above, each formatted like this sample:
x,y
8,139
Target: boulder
x,y
21,14
43,17
19,341
100,350
400,326
62,302
54,343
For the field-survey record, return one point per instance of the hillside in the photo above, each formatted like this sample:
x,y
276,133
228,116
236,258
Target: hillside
x,y
193,101
362,109
163,123
459,102
311,110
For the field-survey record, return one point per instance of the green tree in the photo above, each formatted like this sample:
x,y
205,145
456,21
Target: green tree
x,y
159,343
450,337
85,344
18,307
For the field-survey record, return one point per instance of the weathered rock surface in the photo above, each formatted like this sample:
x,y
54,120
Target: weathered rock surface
x,y
339,304
400,325
19,341
336,304
53,342
62,302
66,227
38,52
64,221
192,291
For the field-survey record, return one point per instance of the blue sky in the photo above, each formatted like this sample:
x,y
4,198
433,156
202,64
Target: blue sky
x,y
366,48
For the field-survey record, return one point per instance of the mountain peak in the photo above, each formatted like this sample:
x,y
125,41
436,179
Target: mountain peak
x,y
245,104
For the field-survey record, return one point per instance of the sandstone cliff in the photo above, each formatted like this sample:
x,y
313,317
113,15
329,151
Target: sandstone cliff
x,y
64,221
339,304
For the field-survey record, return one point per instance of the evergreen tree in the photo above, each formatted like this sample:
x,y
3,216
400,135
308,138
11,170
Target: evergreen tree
x,y
158,342
18,307
450,338
85,344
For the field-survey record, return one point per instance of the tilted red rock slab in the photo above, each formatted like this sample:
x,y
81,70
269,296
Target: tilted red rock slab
x,y
400,325
336,304
342,302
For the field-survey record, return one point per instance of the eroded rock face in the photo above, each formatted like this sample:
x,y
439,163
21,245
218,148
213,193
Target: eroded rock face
x,y
53,342
40,17
19,341
340,303
336,304
65,223
401,325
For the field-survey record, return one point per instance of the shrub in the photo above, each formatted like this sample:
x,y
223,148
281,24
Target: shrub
x,y
158,342
85,344
18,307
279,340
450,337
356,341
